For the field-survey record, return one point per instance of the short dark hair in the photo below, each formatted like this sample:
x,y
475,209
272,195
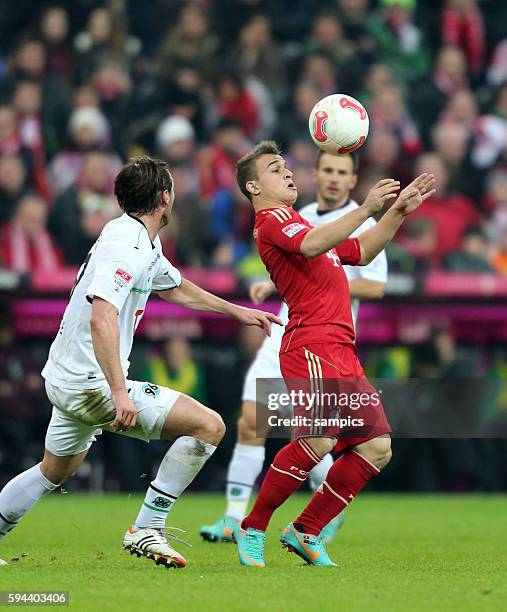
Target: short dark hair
x,y
140,183
353,156
246,169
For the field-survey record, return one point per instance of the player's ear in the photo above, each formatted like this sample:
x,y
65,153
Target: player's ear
x,y
353,181
253,188
314,174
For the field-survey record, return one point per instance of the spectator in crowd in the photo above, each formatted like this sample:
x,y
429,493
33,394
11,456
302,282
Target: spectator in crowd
x,y
54,33
234,101
28,62
217,161
429,96
25,244
499,255
175,366
190,42
318,71
472,255
231,225
257,55
105,39
88,130
452,142
327,38
10,140
27,103
462,26
13,183
81,211
388,111
451,213
461,108
294,123
399,41
491,135
496,202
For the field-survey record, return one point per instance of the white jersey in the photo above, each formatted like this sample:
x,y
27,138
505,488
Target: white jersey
x,y
266,363
123,267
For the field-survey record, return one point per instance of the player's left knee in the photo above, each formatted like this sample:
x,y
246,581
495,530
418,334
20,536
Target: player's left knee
x,y
377,451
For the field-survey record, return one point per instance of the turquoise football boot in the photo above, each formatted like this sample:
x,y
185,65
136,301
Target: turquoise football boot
x,y
329,531
309,547
250,543
221,531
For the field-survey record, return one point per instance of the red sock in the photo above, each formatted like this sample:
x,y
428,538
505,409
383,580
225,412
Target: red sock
x,y
345,479
286,474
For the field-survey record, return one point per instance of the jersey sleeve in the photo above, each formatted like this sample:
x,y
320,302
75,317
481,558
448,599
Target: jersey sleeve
x,y
167,276
349,252
115,274
283,231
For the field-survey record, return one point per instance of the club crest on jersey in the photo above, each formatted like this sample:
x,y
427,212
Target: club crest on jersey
x,y
151,389
293,228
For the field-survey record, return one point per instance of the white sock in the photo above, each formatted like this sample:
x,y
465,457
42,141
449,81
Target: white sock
x,y
244,468
319,472
20,494
182,462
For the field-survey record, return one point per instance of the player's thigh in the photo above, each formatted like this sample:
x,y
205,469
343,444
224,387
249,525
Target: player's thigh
x,y
57,469
188,417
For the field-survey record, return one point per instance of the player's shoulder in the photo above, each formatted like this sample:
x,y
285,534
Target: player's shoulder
x,y
128,231
309,210
276,216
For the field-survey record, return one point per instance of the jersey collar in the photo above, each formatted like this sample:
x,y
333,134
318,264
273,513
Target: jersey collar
x,y
139,221
321,213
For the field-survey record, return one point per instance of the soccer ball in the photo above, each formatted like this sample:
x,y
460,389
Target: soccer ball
x,y
338,124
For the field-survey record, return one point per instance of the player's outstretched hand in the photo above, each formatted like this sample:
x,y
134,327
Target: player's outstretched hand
x,y
379,194
260,291
126,412
250,316
414,194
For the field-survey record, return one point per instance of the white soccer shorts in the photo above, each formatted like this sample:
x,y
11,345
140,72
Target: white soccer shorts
x,y
79,415
266,365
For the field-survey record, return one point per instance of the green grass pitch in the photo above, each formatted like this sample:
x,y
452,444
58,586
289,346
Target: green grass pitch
x,y
394,552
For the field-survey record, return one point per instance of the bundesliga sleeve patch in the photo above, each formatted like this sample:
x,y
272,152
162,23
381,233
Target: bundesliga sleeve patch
x,y
122,277
293,228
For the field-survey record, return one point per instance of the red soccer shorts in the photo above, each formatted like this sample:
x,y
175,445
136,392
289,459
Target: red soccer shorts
x,y
331,395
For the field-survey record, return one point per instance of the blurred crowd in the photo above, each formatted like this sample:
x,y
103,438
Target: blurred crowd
x,y
85,85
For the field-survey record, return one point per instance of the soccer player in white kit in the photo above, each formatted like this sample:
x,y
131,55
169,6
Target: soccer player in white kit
x,y
335,176
86,371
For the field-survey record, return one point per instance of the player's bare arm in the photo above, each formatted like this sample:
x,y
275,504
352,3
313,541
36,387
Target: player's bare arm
x,y
106,345
192,296
366,289
376,239
261,290
321,239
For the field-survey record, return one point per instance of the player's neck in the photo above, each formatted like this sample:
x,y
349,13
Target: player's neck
x,y
151,223
327,205
262,204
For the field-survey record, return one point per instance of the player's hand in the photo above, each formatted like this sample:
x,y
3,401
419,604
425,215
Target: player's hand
x,y
379,194
126,412
419,190
260,291
250,316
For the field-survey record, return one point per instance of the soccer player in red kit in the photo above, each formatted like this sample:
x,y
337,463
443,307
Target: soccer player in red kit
x,y
305,264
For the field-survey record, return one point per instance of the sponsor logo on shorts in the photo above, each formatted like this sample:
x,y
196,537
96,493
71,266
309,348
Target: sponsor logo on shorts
x,y
293,228
151,389
161,502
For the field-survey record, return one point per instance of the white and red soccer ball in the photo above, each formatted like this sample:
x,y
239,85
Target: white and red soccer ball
x,y
339,124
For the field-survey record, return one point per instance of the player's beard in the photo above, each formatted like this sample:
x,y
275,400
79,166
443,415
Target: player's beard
x,y
164,220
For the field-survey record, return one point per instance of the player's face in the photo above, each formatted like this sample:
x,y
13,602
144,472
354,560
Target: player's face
x,y
275,181
335,179
168,199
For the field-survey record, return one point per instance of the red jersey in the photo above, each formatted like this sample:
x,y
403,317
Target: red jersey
x,y
316,290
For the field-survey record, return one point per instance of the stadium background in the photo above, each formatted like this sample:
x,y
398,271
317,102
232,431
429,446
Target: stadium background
x,y
87,84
